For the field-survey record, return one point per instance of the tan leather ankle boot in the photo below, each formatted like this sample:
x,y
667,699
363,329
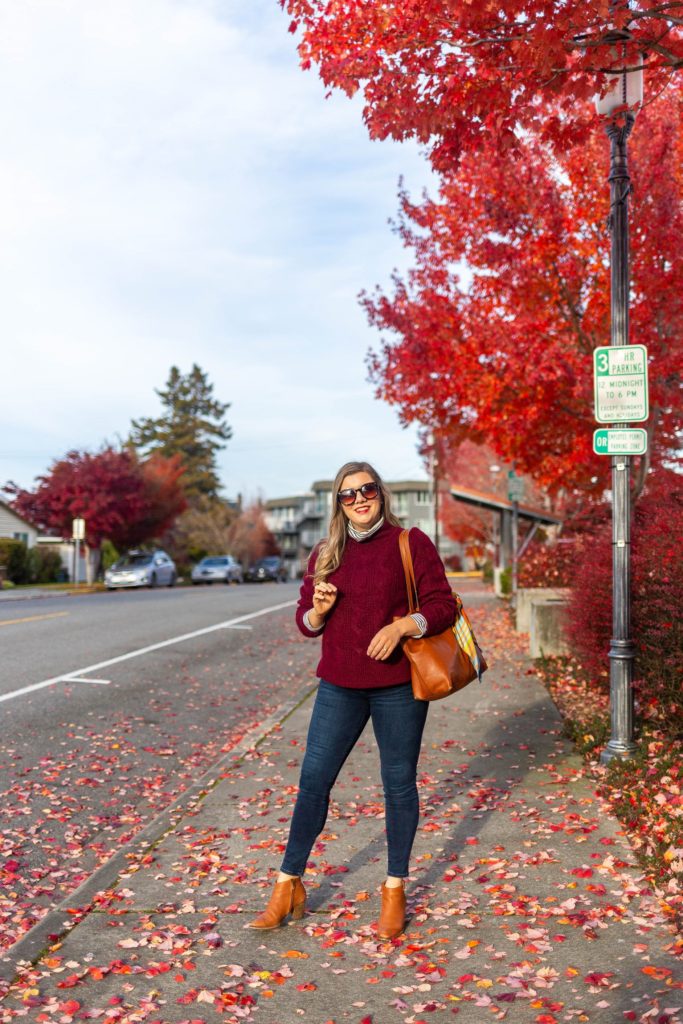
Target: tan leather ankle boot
x,y
392,917
288,897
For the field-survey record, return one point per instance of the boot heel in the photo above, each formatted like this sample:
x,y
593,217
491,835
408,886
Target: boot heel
x,y
298,911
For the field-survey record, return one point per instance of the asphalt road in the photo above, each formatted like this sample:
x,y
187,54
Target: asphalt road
x,y
46,637
84,765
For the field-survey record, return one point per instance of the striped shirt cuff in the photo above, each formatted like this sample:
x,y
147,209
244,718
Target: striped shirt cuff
x,y
307,624
421,624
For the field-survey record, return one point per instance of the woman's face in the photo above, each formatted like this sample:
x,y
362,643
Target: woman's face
x,y
364,512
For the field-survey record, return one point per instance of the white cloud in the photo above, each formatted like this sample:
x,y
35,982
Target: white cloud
x,y
174,189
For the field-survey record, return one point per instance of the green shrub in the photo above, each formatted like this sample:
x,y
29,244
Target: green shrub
x,y
109,555
29,565
44,565
14,556
506,581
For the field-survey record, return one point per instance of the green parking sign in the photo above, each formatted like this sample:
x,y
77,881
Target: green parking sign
x,y
620,376
620,441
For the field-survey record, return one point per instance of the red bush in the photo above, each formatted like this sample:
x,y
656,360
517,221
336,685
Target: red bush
x,y
657,599
549,565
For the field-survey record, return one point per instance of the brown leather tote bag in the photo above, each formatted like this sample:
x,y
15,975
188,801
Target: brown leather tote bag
x,y
439,665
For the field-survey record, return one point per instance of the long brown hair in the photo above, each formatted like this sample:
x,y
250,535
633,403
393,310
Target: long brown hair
x,y
332,549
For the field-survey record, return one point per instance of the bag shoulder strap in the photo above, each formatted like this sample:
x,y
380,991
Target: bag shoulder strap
x,y
407,559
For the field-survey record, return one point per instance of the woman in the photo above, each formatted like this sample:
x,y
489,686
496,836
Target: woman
x,y
355,595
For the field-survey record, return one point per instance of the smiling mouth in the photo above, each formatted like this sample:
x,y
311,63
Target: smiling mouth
x,y
362,509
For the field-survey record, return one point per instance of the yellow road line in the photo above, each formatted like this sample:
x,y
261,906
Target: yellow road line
x,y
33,618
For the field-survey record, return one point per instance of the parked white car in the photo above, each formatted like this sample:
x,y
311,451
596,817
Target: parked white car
x,y
217,569
142,569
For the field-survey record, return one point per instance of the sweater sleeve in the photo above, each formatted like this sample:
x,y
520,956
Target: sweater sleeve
x,y
306,596
437,603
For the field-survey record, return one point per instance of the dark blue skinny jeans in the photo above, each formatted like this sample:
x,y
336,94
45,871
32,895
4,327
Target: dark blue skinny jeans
x,y
339,717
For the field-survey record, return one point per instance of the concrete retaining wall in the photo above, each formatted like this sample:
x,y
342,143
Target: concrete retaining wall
x,y
525,595
546,635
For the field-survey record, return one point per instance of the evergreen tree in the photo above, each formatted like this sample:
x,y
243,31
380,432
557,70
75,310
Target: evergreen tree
x,y
191,426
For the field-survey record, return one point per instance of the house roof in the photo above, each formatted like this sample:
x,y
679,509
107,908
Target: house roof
x,y
295,500
396,486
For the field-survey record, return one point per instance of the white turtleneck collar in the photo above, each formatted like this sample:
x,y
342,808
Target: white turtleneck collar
x,y
364,534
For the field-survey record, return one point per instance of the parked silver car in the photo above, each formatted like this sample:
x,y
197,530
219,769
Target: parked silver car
x,y
142,569
217,569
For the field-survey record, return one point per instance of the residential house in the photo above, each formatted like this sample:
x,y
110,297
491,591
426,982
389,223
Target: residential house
x,y
15,526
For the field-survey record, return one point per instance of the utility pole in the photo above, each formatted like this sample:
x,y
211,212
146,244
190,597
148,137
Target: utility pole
x,y
620,104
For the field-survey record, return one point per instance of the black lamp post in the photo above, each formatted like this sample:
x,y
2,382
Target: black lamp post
x,y
619,105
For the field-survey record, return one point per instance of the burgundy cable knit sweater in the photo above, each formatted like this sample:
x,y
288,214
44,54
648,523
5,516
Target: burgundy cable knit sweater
x,y
371,592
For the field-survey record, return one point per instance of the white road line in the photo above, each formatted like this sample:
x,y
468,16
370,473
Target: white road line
x,y
142,650
80,679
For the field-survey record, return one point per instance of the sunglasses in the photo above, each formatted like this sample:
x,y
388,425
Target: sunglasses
x,y
348,496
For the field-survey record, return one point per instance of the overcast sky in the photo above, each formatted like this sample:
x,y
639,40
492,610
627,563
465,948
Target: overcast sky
x,y
174,189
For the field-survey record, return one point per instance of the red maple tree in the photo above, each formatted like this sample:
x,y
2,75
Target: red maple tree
x,y
121,499
163,500
249,537
497,321
453,74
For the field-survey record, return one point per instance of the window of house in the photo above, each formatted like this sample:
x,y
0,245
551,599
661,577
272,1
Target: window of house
x,y
423,498
399,503
21,536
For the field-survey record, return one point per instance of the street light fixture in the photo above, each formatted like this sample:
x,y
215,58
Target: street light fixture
x,y
624,93
619,105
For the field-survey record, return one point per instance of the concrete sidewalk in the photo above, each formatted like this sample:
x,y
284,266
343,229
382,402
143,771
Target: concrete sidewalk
x,y
526,903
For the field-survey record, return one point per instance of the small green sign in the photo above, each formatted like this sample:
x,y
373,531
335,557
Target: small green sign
x,y
515,486
621,384
620,442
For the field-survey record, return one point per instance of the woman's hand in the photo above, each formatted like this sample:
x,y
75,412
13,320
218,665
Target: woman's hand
x,y
384,643
324,596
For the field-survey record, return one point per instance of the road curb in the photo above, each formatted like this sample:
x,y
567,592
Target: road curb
x,y
56,922
40,595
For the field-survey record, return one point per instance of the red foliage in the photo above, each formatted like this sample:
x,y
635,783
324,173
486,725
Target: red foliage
x,y
455,75
504,354
657,597
121,499
645,794
468,465
163,496
549,565
249,538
